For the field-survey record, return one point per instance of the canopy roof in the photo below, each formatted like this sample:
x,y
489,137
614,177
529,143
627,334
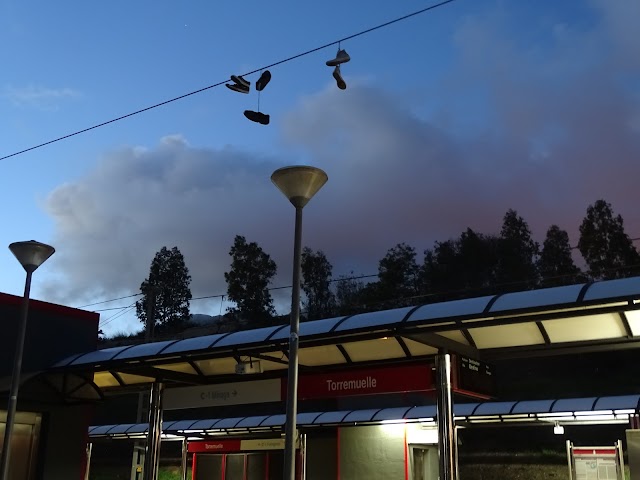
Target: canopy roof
x,y
576,318
593,410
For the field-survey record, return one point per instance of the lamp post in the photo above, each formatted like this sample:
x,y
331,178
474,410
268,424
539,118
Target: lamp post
x,y
299,184
31,255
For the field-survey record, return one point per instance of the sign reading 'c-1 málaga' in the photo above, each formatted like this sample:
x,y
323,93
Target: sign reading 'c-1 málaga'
x,y
371,381
236,393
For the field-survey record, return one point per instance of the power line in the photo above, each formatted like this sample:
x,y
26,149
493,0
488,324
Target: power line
x,y
116,315
200,90
284,287
107,301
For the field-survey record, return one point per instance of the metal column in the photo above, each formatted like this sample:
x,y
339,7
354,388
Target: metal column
x,y
152,454
88,467
446,434
291,431
183,465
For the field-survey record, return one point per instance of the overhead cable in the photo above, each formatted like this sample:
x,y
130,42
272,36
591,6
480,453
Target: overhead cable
x,y
203,89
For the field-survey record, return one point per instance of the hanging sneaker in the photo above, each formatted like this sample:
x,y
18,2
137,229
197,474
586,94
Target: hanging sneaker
x,y
341,57
263,80
257,117
342,85
241,81
237,87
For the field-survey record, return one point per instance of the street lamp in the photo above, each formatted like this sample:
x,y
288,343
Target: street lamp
x,y
299,184
31,255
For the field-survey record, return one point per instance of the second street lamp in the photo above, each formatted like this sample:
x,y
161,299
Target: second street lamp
x,y
31,255
299,184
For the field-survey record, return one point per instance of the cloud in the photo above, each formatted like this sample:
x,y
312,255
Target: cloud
x,y
38,97
544,128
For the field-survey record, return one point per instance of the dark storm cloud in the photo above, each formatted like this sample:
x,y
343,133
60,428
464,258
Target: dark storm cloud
x,y
557,127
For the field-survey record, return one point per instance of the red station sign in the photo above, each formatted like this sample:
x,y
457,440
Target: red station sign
x,y
370,381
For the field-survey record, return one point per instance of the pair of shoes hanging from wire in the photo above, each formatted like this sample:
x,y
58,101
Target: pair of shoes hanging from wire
x,y
241,85
341,57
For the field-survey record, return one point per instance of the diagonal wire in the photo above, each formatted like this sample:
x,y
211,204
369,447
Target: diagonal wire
x,y
200,90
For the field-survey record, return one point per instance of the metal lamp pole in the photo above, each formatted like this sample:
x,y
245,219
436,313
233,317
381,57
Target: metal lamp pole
x,y
299,184
31,255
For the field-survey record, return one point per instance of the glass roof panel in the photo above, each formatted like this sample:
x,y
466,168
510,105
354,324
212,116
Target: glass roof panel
x,y
143,350
455,308
182,367
204,424
633,317
102,429
623,287
130,379
622,402
228,422
307,329
360,415
318,356
182,425
533,406
99,355
251,422
122,428
143,427
494,408
244,337
537,298
509,335
331,417
217,366
67,360
418,349
591,327
374,319
193,344
464,409
423,411
277,421
396,413
455,335
574,405
104,380
304,418
379,349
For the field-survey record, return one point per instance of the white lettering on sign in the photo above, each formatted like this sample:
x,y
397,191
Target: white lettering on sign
x,y
237,393
262,444
215,446
357,384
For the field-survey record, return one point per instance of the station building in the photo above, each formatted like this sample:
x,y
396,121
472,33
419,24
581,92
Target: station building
x,y
376,390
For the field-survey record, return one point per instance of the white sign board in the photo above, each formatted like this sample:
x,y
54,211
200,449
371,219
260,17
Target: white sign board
x,y
596,463
237,393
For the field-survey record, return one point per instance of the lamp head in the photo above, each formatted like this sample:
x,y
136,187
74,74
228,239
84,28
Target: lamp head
x,y
31,254
299,183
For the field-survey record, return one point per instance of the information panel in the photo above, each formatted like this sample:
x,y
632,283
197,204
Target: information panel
x,y
474,378
595,463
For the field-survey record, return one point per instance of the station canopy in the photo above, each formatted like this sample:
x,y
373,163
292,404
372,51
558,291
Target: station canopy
x,y
588,317
569,411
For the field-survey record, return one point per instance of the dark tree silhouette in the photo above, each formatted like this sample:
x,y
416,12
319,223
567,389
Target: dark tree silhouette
x,y
556,264
517,255
398,276
248,282
169,278
316,285
462,267
349,292
604,245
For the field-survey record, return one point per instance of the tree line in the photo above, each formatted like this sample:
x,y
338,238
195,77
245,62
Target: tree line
x,y
472,264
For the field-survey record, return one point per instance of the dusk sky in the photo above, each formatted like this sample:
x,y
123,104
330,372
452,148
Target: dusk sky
x,y
449,119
